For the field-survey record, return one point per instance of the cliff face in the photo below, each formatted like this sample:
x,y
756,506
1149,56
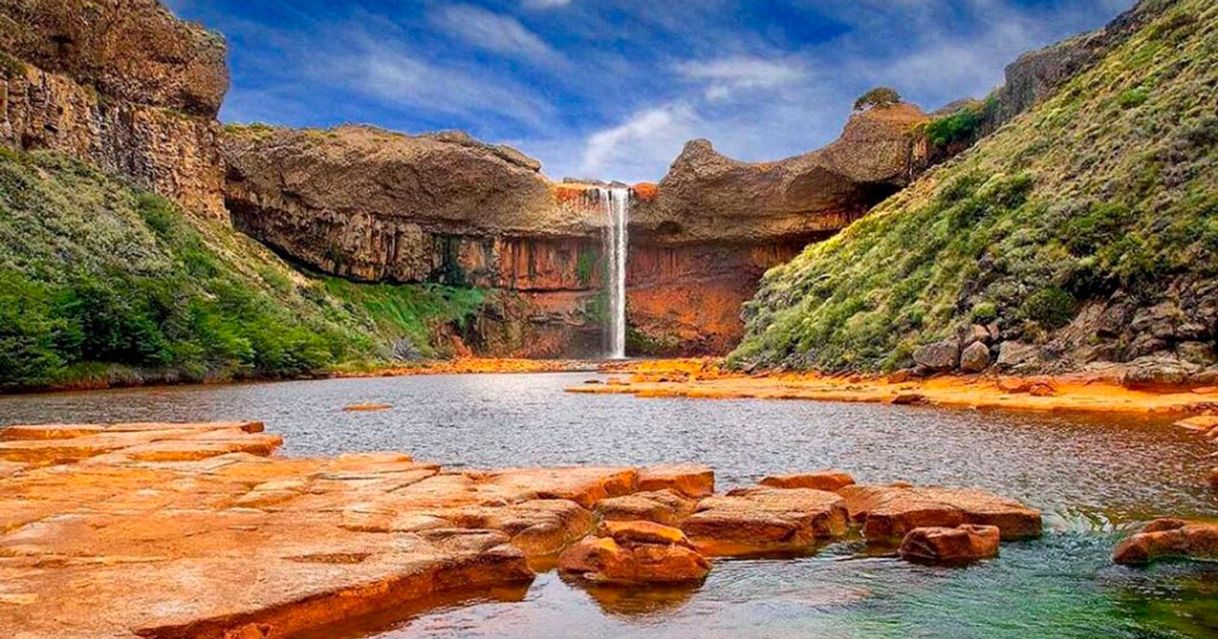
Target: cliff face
x,y
371,205
715,225
121,83
1082,235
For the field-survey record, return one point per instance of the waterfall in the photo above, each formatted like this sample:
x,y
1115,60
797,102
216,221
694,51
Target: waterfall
x,y
616,201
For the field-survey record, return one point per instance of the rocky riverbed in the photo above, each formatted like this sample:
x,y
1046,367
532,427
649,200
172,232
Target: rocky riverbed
x,y
197,530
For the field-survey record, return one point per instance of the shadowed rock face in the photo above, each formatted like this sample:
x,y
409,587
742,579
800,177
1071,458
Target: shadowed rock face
x,y
120,83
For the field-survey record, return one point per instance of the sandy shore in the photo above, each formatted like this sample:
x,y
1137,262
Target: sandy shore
x,y
706,379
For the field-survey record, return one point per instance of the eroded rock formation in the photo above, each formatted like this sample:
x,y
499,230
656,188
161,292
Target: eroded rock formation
x,y
121,83
372,205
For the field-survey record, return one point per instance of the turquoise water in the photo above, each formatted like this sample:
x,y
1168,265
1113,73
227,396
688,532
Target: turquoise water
x,y
1094,478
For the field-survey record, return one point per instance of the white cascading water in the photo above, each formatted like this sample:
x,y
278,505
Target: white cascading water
x,y
616,201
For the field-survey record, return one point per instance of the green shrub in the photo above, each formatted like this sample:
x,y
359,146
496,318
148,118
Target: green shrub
x,y
878,97
1051,307
585,266
984,313
1132,98
960,126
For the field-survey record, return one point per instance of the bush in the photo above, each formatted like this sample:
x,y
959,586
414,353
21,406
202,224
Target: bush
x,y
984,313
878,97
1051,308
1132,98
961,126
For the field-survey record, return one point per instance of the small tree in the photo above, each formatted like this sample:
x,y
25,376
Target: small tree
x,y
877,97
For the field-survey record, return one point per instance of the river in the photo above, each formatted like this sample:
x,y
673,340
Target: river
x,y
1092,476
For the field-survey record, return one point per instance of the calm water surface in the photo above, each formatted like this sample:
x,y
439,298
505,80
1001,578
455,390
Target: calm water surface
x,y
1092,476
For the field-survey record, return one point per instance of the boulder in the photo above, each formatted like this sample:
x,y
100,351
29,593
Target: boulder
x,y
1169,538
910,399
1158,372
890,512
691,480
1017,356
666,507
829,480
959,545
766,520
633,553
975,358
976,334
939,356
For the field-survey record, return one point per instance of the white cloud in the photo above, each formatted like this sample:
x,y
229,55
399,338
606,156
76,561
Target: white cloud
x,y
492,31
727,76
632,150
545,4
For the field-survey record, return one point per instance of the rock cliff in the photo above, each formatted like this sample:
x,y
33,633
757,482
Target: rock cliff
x,y
1081,235
373,205
121,83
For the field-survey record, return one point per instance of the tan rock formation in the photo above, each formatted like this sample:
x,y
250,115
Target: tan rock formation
x,y
830,480
1169,538
690,480
120,83
891,512
666,507
766,520
635,553
959,545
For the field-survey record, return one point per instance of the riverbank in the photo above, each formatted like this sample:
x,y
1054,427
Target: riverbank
x,y
175,530
706,379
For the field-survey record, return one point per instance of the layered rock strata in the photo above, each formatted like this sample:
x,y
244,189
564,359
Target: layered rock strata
x,y
121,83
372,205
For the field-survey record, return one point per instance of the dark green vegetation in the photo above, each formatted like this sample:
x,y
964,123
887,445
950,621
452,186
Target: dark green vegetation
x,y
1105,194
103,284
962,126
877,97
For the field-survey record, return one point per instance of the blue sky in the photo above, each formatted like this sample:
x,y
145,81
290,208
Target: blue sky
x,y
613,88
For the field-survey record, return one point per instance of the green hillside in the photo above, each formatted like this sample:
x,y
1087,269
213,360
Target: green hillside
x,y
1063,227
103,284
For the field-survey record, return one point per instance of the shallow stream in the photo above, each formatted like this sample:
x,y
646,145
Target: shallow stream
x,y
1092,476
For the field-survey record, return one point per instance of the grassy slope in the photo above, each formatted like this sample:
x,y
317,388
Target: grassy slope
x,y
1111,186
100,283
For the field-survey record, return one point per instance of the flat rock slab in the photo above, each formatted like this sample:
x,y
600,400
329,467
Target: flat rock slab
x,y
890,512
195,530
1169,539
666,507
690,480
764,520
830,480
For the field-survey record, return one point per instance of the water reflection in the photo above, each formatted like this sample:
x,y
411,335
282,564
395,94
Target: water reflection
x,y
1093,477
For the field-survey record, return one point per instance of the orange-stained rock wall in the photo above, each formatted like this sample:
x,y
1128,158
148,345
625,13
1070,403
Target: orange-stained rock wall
x,y
686,300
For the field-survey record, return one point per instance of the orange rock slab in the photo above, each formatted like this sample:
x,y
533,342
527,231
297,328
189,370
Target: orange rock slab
x,y
765,520
953,546
891,512
1169,539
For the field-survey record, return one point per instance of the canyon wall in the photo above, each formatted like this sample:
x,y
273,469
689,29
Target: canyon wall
x,y
121,83
372,205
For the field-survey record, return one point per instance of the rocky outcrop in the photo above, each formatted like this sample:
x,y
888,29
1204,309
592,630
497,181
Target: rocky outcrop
x,y
962,544
121,83
764,520
635,552
1169,539
830,480
372,205
891,512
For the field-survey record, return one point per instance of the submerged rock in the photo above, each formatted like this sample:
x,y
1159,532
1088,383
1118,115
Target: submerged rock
x,y
891,512
1169,538
766,520
958,545
635,552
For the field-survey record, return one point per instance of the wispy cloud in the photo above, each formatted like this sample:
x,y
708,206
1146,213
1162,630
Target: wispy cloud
x,y
492,32
545,4
614,88
728,75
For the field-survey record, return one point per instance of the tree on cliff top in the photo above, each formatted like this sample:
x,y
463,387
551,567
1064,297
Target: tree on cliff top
x,y
877,97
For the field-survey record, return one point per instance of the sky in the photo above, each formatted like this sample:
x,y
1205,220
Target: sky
x,y
612,89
